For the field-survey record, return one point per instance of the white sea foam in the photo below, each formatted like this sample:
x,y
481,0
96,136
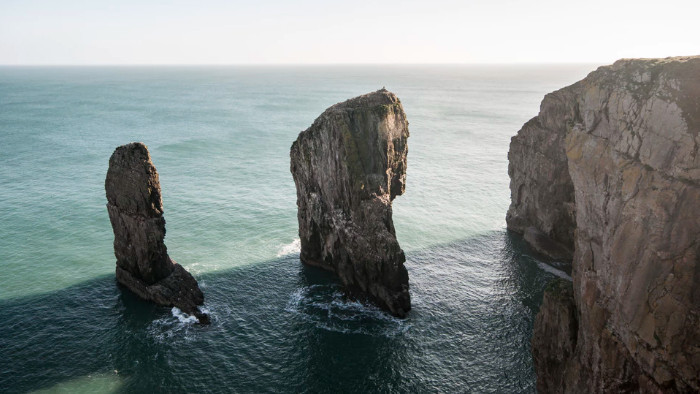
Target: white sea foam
x,y
196,268
327,308
552,270
184,317
295,300
288,249
178,326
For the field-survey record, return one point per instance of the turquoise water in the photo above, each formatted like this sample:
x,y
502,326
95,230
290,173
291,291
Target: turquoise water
x,y
220,138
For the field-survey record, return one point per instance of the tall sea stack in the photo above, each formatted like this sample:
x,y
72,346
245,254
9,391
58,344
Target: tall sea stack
x,y
610,168
348,167
136,212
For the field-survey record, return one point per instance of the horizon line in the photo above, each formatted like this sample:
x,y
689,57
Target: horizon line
x,y
524,63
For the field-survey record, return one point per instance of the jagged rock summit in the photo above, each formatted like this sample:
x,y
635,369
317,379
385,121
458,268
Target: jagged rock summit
x,y
136,212
610,169
348,167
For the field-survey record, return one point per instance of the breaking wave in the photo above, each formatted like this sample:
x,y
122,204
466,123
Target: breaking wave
x,y
329,309
289,249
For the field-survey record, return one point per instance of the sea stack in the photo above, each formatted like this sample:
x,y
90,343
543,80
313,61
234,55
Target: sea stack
x,y
136,212
348,167
610,169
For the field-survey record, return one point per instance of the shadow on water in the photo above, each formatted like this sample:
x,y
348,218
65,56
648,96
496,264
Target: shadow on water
x,y
283,327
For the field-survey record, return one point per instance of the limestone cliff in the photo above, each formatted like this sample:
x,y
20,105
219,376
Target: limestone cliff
x,y
136,213
611,169
348,167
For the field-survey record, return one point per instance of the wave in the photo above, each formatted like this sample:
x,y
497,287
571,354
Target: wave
x,y
289,249
183,317
327,308
178,325
552,270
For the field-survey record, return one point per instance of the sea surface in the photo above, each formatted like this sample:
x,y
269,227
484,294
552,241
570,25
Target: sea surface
x,y
220,139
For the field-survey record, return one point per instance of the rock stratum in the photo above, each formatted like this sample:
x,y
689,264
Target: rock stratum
x,y
348,167
608,173
136,213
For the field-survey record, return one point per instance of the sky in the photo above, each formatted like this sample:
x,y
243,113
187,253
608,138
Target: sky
x,y
101,32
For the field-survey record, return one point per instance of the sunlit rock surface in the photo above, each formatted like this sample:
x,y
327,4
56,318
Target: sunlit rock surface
x,y
348,167
610,168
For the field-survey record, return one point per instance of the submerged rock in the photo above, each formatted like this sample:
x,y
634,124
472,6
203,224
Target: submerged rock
x,y
610,168
348,167
136,212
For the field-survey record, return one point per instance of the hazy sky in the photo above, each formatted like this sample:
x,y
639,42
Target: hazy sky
x,y
311,31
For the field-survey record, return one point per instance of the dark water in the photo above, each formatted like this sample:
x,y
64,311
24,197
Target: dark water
x,y
279,326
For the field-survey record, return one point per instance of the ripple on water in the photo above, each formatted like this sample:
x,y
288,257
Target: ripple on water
x,y
326,307
176,325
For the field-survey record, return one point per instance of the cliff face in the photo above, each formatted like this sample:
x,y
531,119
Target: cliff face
x,y
136,213
348,167
628,136
542,194
554,340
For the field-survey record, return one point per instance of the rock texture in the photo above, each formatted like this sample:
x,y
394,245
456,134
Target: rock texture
x,y
542,195
554,340
611,169
136,212
348,167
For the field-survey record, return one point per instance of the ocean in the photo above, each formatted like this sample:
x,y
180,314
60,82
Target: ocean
x,y
220,139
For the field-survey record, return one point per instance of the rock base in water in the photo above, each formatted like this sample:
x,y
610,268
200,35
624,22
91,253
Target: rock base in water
x,y
348,167
610,168
136,213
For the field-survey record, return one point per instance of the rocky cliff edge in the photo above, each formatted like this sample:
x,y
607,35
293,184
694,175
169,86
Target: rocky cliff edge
x,y
608,174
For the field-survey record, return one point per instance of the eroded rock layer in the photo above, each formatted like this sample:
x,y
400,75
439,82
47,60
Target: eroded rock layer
x,y
348,167
619,151
136,213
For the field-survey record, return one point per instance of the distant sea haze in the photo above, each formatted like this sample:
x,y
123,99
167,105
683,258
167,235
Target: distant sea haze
x,y
220,138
